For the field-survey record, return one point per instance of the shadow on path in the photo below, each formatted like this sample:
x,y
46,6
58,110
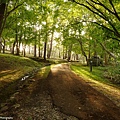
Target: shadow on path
x,y
75,97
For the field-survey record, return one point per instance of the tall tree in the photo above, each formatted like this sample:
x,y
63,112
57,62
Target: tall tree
x,y
106,14
6,8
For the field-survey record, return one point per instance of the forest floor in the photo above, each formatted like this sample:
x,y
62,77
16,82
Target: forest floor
x,y
62,96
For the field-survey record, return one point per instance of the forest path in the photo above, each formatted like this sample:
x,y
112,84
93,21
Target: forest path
x,y
76,97
61,96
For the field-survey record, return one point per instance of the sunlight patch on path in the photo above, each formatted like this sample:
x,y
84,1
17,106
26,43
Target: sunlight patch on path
x,y
111,92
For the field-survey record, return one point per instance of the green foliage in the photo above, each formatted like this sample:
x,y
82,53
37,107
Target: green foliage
x,y
113,73
35,21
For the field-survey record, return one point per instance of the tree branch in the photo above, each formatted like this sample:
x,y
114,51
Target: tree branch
x,y
110,53
114,38
101,4
100,14
87,8
103,26
107,29
116,14
8,13
104,17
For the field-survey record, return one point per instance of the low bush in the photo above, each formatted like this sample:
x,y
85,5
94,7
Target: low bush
x,y
113,73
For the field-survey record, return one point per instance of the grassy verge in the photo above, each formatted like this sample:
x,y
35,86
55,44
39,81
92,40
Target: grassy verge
x,y
43,73
39,79
12,68
97,73
97,80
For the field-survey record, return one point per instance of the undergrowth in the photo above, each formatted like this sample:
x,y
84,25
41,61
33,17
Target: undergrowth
x,y
98,73
113,73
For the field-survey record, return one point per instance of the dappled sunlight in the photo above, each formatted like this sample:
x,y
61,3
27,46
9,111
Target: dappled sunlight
x,y
6,77
85,72
13,68
55,68
4,71
43,73
9,76
110,91
89,74
107,89
58,65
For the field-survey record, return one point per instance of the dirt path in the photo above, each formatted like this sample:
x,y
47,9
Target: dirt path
x,y
75,97
62,96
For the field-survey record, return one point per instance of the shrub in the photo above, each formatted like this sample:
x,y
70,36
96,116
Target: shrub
x,y
113,73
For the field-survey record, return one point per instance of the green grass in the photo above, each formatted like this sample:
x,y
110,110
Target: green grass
x,y
43,72
14,67
96,74
56,61
8,61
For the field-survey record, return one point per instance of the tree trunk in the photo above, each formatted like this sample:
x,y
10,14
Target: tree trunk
x,y
39,51
13,47
83,52
39,44
4,46
39,48
69,52
50,50
59,54
65,52
0,44
29,50
35,49
45,46
45,42
105,58
17,43
77,57
24,52
17,48
2,11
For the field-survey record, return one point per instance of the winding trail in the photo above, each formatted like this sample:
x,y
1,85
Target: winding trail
x,y
76,97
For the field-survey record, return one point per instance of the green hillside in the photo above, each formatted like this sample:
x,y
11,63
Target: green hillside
x,y
14,67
